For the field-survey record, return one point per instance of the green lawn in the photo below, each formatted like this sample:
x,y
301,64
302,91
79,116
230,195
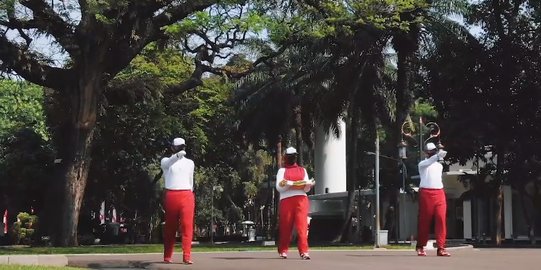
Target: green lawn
x,y
158,248
34,267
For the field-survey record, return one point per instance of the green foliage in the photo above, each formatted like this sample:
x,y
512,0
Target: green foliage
x,y
21,106
256,171
135,132
7,7
25,166
26,156
487,91
164,66
102,9
222,21
337,63
424,109
332,18
134,136
24,228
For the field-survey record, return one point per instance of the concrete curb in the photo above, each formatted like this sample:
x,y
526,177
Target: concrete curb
x,y
405,249
461,247
48,260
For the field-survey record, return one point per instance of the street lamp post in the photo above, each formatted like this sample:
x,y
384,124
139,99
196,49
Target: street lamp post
x,y
407,133
219,189
377,191
377,186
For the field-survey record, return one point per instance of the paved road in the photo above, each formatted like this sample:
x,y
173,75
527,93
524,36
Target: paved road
x,y
462,259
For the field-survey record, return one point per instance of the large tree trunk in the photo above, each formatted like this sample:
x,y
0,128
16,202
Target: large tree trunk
x,y
298,132
497,235
405,45
75,152
352,132
272,200
498,209
279,162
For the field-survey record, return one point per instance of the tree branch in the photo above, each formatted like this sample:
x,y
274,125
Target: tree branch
x,y
200,69
14,23
176,13
315,5
157,178
48,21
137,31
256,63
192,82
83,6
498,20
25,64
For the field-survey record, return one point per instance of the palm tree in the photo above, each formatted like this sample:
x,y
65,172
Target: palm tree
x,y
317,83
498,70
338,76
408,44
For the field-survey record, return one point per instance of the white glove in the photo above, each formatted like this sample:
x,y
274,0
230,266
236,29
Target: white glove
x,y
309,184
181,154
442,153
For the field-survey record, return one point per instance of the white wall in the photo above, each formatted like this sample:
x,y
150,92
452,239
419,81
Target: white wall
x,y
408,214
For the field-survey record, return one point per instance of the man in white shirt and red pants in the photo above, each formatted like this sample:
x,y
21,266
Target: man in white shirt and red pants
x,y
179,201
292,182
432,201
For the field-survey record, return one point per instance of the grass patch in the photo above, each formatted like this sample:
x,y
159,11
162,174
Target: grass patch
x,y
401,246
34,267
158,248
13,250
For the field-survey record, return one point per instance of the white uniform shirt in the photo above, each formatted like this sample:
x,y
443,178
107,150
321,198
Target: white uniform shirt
x,y
430,171
285,191
178,172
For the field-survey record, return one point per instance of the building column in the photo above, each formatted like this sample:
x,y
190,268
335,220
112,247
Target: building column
x,y
508,211
466,213
330,161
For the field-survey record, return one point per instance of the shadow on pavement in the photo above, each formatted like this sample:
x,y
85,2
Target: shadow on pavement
x,y
246,258
382,255
120,264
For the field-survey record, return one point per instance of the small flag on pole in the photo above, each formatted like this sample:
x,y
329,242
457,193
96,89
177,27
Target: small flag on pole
x,y
102,213
114,219
5,221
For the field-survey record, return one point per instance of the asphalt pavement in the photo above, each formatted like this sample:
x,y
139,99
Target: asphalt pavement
x,y
461,259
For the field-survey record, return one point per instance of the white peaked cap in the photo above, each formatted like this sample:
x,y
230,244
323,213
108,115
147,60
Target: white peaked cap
x,y
291,151
179,141
430,146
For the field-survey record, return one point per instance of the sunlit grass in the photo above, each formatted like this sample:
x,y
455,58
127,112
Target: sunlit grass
x,y
34,267
158,248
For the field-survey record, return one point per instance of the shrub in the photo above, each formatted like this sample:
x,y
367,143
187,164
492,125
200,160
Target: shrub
x,y
24,228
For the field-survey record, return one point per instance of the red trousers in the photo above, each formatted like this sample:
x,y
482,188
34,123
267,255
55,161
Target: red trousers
x,y
293,210
179,209
432,206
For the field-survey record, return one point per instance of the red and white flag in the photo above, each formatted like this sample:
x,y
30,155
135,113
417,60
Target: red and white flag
x,y
102,213
114,218
5,221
